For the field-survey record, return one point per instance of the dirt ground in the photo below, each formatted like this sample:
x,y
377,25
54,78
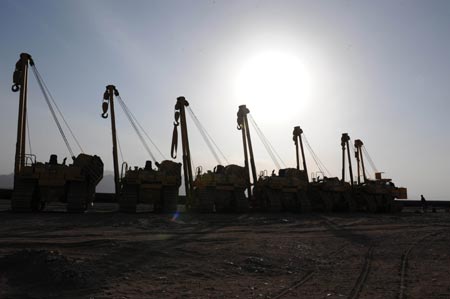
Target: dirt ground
x,y
105,254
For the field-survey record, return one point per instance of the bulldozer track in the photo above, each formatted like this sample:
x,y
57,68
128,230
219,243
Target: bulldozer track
x,y
360,282
22,197
206,204
77,197
404,263
128,200
169,200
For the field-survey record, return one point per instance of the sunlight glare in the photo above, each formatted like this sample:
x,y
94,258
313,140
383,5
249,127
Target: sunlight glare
x,y
272,82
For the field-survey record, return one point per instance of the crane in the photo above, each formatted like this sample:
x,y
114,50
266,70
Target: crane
x,y
325,193
219,190
377,194
134,186
35,183
285,191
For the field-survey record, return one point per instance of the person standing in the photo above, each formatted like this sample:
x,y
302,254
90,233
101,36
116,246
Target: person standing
x,y
424,203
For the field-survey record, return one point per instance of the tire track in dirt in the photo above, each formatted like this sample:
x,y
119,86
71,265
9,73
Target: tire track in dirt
x,y
341,232
405,260
296,285
357,238
116,263
143,250
305,278
362,278
359,285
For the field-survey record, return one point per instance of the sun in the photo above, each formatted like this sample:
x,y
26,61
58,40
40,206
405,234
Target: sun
x,y
273,83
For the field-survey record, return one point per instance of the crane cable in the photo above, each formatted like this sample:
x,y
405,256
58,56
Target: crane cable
x,y
145,132
369,159
47,90
269,148
265,142
135,127
266,146
207,138
316,158
120,148
52,111
141,127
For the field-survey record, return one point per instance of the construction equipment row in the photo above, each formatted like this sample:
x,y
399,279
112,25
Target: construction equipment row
x,y
226,188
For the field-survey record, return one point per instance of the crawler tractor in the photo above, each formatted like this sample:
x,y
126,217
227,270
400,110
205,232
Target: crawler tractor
x,y
286,191
37,184
334,194
326,194
219,190
377,195
135,186
147,185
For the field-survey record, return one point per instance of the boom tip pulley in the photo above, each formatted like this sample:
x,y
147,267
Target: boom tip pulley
x,y
24,60
106,96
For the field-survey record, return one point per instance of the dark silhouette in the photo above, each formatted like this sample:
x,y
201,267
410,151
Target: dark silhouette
x,y
424,203
35,183
219,190
137,185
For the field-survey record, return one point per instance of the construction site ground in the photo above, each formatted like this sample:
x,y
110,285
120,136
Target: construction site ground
x,y
106,254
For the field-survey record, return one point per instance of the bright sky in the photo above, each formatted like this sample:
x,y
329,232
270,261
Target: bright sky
x,y
379,70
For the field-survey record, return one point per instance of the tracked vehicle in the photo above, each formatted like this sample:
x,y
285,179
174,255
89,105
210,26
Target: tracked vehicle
x,y
329,194
334,193
285,191
36,184
219,190
326,194
134,186
151,186
379,194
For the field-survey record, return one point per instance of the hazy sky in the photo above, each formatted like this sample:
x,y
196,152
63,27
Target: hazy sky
x,y
379,70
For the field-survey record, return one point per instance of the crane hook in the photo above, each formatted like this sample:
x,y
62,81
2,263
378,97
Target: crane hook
x,y
15,88
105,109
177,118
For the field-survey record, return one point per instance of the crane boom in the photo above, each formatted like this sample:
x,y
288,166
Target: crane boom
x,y
345,148
360,160
242,121
180,119
297,137
108,98
20,82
